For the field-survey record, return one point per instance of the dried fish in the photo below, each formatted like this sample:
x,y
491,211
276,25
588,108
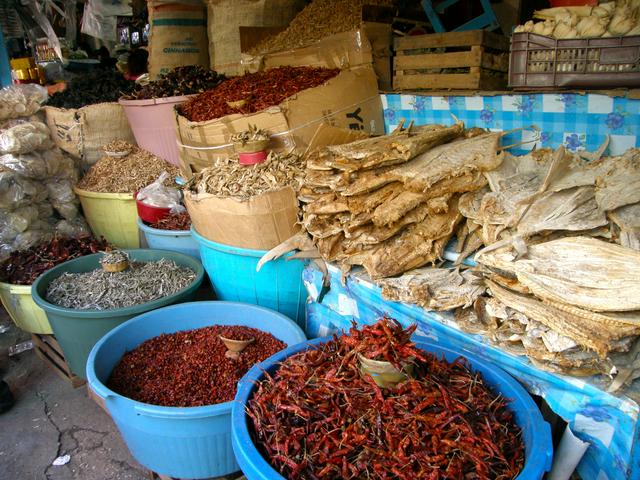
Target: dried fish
x,y
227,178
437,289
102,290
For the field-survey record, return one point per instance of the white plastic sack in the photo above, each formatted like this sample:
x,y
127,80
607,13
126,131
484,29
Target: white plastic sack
x,y
157,194
21,100
23,136
98,25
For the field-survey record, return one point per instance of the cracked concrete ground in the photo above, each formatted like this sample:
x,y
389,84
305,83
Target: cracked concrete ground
x,y
50,419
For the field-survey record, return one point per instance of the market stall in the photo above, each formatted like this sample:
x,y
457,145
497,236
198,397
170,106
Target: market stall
x,y
421,233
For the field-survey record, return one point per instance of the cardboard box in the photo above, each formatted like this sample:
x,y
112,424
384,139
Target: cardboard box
x,y
259,223
369,44
350,100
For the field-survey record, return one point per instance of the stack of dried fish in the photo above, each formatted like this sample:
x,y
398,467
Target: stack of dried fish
x,y
229,179
390,203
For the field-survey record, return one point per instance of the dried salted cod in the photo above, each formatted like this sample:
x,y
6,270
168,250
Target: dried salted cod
x,y
574,210
579,271
455,159
583,332
390,149
328,205
621,185
417,245
371,235
627,219
437,289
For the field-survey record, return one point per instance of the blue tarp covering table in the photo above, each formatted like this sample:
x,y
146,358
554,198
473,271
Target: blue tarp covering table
x,y
609,422
578,121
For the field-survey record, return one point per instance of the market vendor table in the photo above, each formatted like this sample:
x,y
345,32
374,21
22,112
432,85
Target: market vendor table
x,y
578,121
609,422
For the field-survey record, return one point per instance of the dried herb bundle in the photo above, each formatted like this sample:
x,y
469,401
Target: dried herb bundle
x,y
101,290
127,174
227,178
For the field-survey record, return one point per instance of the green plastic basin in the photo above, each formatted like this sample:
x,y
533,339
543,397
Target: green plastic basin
x,y
77,331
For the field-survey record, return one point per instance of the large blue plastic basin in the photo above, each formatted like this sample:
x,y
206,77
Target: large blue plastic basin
x,y
180,442
232,271
536,432
174,240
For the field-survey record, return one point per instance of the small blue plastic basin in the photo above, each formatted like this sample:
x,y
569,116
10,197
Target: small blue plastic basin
x,y
536,432
179,442
232,271
174,240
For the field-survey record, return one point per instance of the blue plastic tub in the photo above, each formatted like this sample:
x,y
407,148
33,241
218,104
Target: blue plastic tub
x,y
536,432
187,442
232,272
174,240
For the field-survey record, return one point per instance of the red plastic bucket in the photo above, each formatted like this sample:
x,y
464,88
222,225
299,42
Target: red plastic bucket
x,y
149,213
252,158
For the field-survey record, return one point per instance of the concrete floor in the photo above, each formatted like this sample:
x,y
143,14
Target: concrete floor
x,y
50,419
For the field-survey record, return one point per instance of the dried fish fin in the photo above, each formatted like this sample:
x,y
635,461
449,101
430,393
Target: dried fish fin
x,y
299,241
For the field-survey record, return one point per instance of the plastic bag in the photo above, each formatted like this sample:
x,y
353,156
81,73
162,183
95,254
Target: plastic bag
x,y
21,100
61,191
158,195
73,228
17,191
45,210
24,137
12,223
68,210
30,238
35,165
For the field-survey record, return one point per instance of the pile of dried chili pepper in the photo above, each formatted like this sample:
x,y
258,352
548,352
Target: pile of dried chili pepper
x,y
23,267
189,368
179,221
254,91
318,417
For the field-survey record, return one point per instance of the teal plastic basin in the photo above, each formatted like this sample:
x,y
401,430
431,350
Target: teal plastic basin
x,y
77,331
232,271
536,433
179,442
175,240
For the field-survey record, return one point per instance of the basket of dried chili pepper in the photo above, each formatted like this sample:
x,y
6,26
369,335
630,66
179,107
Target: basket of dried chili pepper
x,y
309,412
168,384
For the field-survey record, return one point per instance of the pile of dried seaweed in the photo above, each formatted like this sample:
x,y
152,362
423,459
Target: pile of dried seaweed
x,y
390,203
227,178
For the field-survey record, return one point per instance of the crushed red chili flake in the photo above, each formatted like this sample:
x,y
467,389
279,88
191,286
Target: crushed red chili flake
x,y
189,368
24,266
256,91
179,221
319,417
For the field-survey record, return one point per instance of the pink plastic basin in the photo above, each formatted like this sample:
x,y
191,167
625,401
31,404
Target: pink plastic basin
x,y
153,124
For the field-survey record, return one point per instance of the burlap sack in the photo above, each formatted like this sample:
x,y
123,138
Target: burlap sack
x,y
83,132
178,36
226,16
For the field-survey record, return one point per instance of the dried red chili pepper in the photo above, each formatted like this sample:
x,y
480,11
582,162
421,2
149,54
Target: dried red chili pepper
x,y
180,221
189,368
319,418
24,266
257,91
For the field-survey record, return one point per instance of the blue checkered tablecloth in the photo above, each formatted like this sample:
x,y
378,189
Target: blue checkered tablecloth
x,y
578,121
609,422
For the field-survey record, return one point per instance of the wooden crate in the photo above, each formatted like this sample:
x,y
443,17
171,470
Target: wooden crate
x,y
424,62
48,349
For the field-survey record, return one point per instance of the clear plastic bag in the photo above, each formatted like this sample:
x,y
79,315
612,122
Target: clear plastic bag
x,y
30,238
24,137
35,165
68,169
21,100
73,228
12,223
67,210
157,194
61,191
17,191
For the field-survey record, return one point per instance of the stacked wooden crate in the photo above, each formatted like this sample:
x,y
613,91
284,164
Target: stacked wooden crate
x,y
471,60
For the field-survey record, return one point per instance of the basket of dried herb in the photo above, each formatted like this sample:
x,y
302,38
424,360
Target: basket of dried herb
x,y
83,301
